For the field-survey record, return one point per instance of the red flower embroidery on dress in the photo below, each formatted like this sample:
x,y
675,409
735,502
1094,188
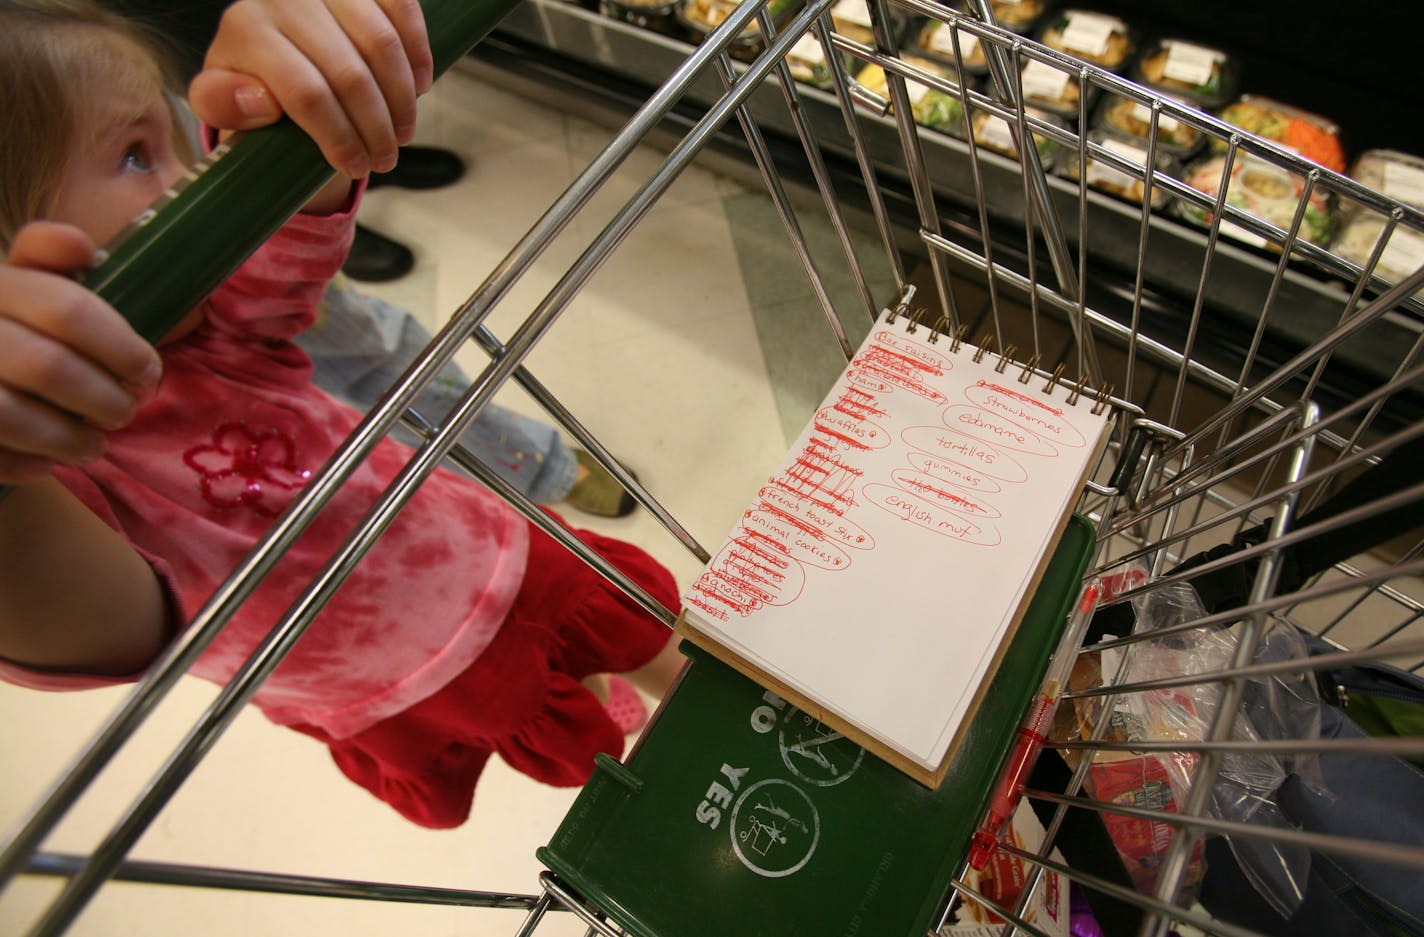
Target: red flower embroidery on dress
x,y
241,467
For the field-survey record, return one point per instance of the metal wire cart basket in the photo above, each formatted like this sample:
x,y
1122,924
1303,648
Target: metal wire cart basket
x,y
1256,520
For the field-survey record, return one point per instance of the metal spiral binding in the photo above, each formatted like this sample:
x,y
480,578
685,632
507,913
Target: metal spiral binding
x,y
943,327
1029,367
1103,399
1054,379
986,346
1004,357
917,319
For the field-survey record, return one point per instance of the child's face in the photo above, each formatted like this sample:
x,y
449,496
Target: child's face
x,y
129,164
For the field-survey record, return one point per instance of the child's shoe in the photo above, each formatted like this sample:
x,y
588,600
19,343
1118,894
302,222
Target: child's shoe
x,y
625,706
598,492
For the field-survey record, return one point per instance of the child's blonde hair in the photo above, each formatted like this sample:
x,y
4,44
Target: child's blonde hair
x,y
54,54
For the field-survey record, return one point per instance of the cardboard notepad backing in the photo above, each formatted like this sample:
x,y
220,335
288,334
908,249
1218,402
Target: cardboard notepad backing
x,y
876,578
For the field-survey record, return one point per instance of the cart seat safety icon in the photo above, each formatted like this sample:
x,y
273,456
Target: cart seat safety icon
x,y
775,828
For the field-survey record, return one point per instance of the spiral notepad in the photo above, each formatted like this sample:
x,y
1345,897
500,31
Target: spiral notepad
x,y
878,573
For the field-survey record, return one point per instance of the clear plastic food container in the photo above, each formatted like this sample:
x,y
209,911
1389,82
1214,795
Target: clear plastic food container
x,y
931,37
851,19
1053,89
1402,255
807,61
1310,135
1262,189
1390,172
993,133
1093,37
657,15
1131,120
1399,176
931,107
934,39
1021,16
1108,178
1207,77
700,17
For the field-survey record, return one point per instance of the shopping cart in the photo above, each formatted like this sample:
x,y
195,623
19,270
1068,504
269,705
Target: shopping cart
x,y
1257,379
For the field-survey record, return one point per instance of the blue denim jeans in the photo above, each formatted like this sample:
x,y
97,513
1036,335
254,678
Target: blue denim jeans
x,y
361,345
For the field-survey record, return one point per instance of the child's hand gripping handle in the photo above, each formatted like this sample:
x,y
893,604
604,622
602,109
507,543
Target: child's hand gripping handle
x,y
194,240
194,237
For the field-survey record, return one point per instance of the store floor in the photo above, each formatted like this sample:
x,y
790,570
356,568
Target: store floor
x,y
661,355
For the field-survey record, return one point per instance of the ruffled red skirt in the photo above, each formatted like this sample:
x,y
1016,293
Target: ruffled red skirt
x,y
522,697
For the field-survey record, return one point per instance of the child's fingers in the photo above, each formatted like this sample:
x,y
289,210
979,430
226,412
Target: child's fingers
x,y
340,69
17,468
58,340
33,434
381,46
409,21
275,44
60,311
35,365
52,246
339,95
232,101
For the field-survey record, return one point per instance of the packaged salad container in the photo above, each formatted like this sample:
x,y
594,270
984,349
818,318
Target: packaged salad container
x,y
807,61
1310,135
1103,40
1398,176
931,37
934,39
1131,120
700,17
1021,16
931,108
851,18
992,132
1053,89
1262,189
1108,178
657,15
1205,76
1402,255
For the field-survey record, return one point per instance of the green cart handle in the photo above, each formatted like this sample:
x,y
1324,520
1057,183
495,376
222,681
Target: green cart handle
x,y
194,237
190,243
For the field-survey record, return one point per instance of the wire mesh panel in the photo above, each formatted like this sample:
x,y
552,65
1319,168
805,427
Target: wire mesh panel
x,y
1257,526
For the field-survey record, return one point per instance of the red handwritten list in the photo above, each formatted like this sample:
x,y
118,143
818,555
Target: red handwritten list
x,y
882,563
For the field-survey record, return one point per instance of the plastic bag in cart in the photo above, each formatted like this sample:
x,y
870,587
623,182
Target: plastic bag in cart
x,y
1281,707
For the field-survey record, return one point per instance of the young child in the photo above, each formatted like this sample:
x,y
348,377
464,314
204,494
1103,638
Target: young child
x,y
142,479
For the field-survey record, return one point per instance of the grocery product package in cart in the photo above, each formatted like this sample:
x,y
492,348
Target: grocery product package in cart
x,y
1263,780
1277,707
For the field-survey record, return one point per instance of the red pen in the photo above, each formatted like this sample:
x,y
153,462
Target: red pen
x,y
1032,734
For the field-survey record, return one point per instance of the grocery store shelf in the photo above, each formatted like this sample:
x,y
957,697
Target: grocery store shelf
x,y
557,49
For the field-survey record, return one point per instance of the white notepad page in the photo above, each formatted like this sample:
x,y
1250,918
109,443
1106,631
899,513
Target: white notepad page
x,y
885,560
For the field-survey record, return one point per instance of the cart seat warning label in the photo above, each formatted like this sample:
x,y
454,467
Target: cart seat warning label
x,y
775,828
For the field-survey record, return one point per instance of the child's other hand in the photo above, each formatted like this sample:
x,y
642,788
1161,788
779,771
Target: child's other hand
x,y
347,71
70,366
